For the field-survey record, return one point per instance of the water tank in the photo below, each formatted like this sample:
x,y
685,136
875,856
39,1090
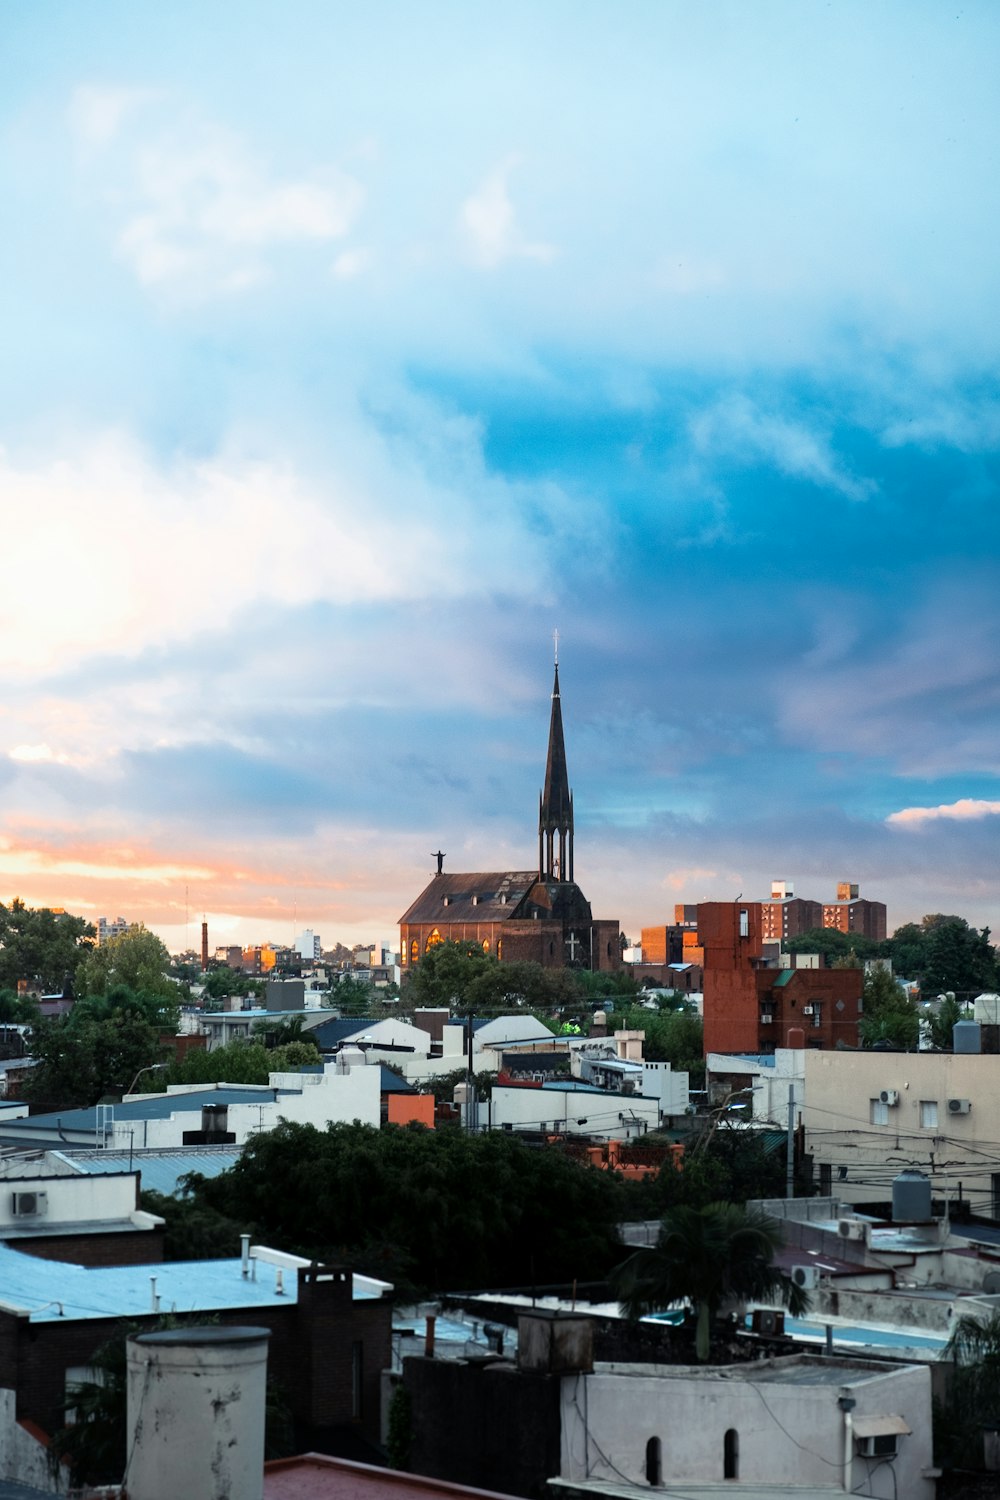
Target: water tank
x,y
196,1401
966,1037
911,1197
796,1038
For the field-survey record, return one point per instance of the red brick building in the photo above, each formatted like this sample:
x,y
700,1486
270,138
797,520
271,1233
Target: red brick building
x,y
750,1004
539,916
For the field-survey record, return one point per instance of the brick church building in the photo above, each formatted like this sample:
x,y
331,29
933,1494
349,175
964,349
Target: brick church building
x,y
539,916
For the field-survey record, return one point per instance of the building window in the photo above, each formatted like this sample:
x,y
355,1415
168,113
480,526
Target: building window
x,y
928,1114
414,951
744,924
878,1113
499,947
817,1014
433,941
486,945
731,1454
654,1461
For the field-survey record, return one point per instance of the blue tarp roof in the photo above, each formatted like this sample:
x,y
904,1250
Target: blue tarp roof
x,y
56,1294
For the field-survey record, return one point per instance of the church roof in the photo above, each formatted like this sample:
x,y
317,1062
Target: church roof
x,y
557,800
482,896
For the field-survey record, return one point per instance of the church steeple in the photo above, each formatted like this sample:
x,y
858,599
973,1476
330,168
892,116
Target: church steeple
x,y
555,806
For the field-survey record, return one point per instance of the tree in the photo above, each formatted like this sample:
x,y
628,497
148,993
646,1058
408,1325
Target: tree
x,y
93,1051
223,981
958,957
674,1037
445,972
943,1024
889,1013
973,1399
41,945
137,959
706,1256
847,947
504,1213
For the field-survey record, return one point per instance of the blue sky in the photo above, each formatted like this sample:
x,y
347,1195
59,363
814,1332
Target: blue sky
x,y
351,350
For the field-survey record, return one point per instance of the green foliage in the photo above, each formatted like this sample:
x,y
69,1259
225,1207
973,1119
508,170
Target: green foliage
x,y
723,1164
889,1013
443,975
848,947
223,981
353,997
503,1213
237,1062
469,981
94,1050
674,1037
40,945
135,959
193,1231
400,1435
973,1396
17,1010
706,1256
945,953
597,986
942,1024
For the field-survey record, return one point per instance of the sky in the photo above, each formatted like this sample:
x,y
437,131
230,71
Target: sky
x,y
349,351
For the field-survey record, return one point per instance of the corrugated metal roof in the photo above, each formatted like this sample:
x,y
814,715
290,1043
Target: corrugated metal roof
x,y
161,1171
155,1107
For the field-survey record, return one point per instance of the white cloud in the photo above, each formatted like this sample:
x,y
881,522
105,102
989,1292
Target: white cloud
x,y
193,204
737,427
966,809
488,224
107,551
37,754
98,111
350,263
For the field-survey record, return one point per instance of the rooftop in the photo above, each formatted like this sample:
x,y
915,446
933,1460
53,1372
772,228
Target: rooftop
x,y
27,1284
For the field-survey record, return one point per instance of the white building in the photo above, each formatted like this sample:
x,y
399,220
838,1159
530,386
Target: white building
x,y
867,1115
308,945
766,1079
572,1110
808,1424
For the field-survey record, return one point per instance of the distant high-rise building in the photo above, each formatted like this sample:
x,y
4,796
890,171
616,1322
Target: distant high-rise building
x,y
786,915
308,945
106,928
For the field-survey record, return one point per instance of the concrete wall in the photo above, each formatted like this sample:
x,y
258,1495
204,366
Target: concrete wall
x,y
323,1097
70,1200
959,1149
606,1116
24,1458
790,1431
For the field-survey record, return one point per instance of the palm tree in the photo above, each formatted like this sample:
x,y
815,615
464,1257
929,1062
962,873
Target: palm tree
x,y
707,1256
972,1402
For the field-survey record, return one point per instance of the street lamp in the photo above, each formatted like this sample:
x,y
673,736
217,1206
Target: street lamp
x,y
150,1068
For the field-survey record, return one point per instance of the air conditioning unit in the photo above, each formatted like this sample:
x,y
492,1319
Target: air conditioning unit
x,y
29,1205
807,1010
766,1017
959,1106
890,1097
854,1229
768,1321
881,1445
807,1277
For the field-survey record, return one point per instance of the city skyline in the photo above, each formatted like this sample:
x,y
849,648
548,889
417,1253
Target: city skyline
x,y
355,352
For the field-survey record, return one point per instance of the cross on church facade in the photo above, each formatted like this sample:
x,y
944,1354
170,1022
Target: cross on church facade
x,y
572,943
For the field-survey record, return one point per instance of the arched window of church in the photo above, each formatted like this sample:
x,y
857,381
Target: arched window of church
x,y
499,947
552,949
433,941
414,951
486,945
609,950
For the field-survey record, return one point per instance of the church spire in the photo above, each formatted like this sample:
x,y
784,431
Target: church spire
x,y
555,806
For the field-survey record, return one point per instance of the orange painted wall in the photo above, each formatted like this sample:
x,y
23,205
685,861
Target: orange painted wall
x,y
408,1109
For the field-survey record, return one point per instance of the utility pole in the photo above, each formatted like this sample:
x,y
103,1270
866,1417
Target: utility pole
x,y
790,1145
